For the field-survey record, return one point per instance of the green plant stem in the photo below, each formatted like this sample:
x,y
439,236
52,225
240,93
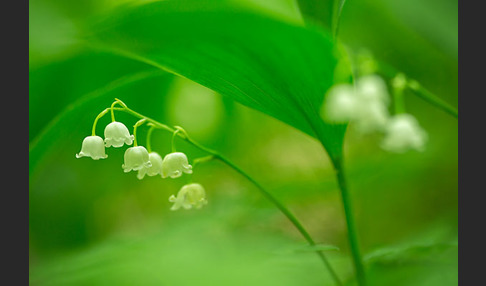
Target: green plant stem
x,y
398,101
102,113
183,135
350,223
112,112
173,147
149,138
420,91
347,206
204,159
140,122
286,212
431,98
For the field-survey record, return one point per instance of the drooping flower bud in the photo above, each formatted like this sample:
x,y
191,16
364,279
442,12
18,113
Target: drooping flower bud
x,y
116,134
94,147
174,164
402,133
136,158
154,169
191,195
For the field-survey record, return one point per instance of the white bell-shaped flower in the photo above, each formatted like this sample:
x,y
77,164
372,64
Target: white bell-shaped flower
x,y
371,116
341,104
372,88
154,169
117,134
403,133
94,147
365,105
136,158
191,195
174,164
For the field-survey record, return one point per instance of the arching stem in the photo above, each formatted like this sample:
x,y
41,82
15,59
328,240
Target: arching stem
x,y
149,137
140,122
216,155
102,113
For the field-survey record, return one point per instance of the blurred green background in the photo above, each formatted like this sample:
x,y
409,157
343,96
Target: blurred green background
x,y
92,224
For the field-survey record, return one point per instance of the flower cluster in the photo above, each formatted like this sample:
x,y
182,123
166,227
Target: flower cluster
x,y
138,158
366,105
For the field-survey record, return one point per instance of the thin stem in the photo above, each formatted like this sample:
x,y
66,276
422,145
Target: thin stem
x,y
200,160
149,137
140,122
431,98
183,135
102,113
286,212
120,103
172,142
112,112
350,223
420,91
399,83
273,200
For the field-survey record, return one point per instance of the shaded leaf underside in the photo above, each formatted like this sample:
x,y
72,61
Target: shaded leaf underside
x,y
274,67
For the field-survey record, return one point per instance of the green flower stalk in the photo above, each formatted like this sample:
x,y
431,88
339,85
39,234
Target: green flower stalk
x,y
182,134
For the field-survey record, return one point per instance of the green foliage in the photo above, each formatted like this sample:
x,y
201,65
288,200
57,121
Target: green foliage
x,y
191,250
276,68
92,224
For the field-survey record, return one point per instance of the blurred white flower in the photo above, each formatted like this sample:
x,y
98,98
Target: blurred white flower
x,y
403,133
364,105
136,158
116,134
174,164
94,147
154,169
341,104
191,195
372,88
371,116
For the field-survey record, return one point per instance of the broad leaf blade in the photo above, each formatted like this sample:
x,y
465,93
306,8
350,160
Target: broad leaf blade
x,y
274,67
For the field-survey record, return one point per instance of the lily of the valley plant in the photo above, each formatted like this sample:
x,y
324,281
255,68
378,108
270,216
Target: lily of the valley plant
x,y
138,158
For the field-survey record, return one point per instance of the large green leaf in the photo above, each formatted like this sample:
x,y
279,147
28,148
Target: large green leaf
x,y
271,66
